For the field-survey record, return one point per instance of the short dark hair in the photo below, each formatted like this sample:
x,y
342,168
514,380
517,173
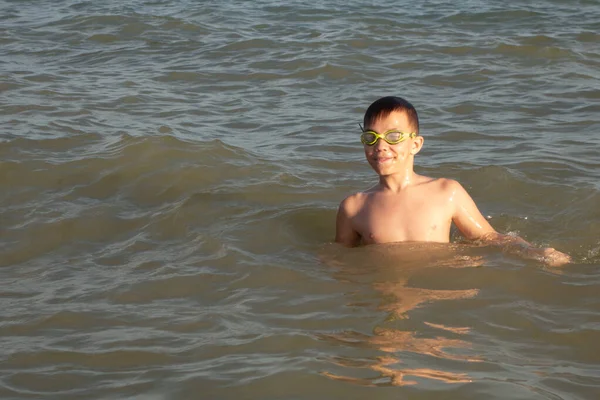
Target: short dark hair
x,y
386,105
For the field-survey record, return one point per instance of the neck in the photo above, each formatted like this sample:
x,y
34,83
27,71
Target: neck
x,y
398,181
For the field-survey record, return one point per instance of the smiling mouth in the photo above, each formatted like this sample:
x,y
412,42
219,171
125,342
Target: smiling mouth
x,y
381,160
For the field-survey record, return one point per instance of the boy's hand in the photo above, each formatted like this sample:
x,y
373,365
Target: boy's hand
x,y
553,257
515,245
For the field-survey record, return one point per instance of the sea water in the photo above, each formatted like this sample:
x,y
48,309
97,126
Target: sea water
x,y
170,173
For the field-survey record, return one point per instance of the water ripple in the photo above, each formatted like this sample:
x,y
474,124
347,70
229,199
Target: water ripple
x,y
170,173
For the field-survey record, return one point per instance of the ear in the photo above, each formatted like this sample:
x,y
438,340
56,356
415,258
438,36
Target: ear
x,y
416,145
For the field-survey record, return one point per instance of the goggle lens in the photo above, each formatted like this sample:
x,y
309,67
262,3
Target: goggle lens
x,y
368,138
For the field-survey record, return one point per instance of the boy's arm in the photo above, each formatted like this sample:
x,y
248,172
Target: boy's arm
x,y
474,226
344,232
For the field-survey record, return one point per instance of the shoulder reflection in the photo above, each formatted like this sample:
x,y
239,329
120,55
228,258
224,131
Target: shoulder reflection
x,y
411,353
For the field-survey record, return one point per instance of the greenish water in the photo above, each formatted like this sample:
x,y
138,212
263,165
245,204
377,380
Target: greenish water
x,y
170,173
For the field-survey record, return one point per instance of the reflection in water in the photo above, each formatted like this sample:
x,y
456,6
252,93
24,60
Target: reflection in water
x,y
385,366
393,341
387,269
406,298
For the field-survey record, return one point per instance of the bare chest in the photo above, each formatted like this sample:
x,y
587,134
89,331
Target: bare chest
x,y
397,219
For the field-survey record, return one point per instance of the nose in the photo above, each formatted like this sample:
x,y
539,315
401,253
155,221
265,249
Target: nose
x,y
380,145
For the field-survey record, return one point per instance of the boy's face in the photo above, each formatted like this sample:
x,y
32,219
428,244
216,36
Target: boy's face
x,y
385,158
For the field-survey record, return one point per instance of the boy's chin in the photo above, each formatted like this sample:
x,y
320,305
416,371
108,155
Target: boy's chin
x,y
383,171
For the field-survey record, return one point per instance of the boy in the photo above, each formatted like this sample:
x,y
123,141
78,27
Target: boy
x,y
405,206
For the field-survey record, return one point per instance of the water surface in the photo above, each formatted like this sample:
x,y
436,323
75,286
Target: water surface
x,y
170,173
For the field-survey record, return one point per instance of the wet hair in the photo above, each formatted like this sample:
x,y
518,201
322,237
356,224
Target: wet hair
x,y
386,105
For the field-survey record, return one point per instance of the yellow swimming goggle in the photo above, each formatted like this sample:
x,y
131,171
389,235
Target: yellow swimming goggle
x,y
392,136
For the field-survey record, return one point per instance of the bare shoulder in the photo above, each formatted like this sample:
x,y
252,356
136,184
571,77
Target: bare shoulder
x,y
446,193
442,185
345,231
445,185
352,204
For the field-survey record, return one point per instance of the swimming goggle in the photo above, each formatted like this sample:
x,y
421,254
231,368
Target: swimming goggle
x,y
392,136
